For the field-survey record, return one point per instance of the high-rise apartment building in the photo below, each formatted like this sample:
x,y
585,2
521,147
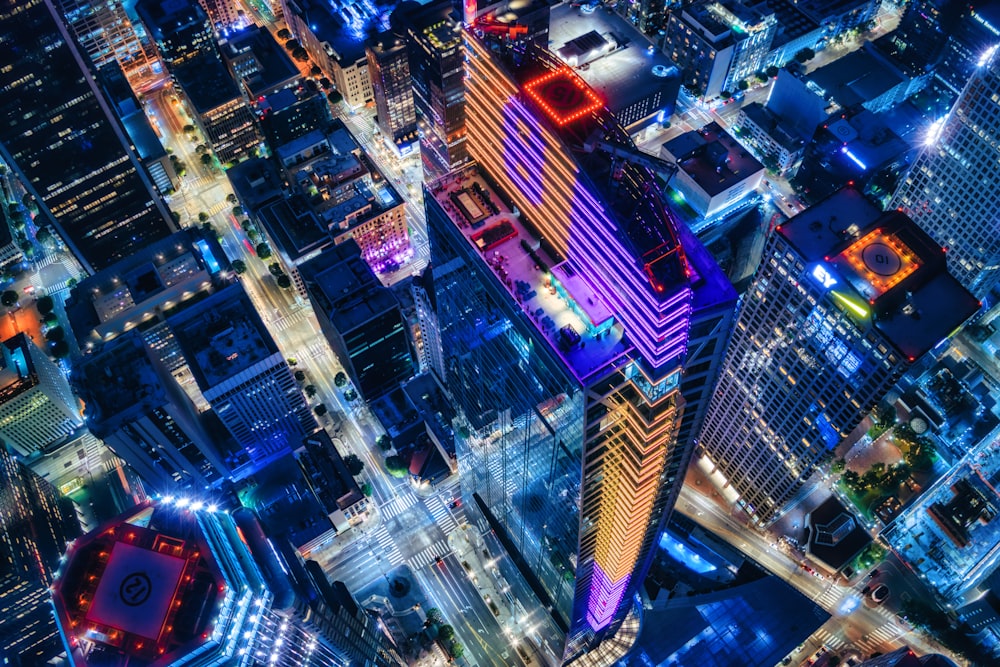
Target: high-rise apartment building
x,y
389,68
35,526
950,191
140,412
106,34
563,329
242,374
180,582
844,301
435,42
180,29
362,319
66,146
37,408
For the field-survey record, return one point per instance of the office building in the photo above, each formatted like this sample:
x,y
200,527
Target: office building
x,y
717,45
288,114
950,190
563,332
106,35
180,582
138,409
259,64
434,40
140,291
36,526
845,300
66,148
905,657
224,15
242,374
362,319
37,408
180,29
389,69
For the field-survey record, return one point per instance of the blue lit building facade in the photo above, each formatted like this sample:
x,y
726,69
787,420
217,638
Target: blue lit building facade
x,y
563,297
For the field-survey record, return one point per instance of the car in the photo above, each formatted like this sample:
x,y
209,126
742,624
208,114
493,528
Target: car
x,y
457,502
880,594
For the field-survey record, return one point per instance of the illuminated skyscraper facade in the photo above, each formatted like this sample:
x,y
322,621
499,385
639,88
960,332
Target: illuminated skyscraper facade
x,y
106,34
950,191
60,135
563,297
845,299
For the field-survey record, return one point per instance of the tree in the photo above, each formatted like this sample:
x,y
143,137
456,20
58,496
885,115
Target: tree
x,y
457,650
300,376
239,266
206,159
340,379
350,395
44,236
434,616
851,479
761,76
384,442
45,305
805,55
312,86
396,466
354,464
284,282
284,33
59,349
8,298
325,83
310,390
725,94
189,128
275,269
201,148
202,216
55,334
335,97
292,44
446,633
837,466
300,54
366,489
263,250
231,198
743,85
237,210
50,319
315,70
320,410
772,71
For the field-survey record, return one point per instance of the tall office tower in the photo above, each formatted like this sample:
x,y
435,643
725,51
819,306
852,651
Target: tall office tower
x,y
844,301
176,583
389,68
950,191
970,30
649,15
224,14
37,408
68,150
242,374
361,319
289,114
180,29
718,44
563,296
35,525
105,33
434,40
140,412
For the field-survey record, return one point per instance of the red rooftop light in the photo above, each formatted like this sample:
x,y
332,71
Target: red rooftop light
x,y
563,96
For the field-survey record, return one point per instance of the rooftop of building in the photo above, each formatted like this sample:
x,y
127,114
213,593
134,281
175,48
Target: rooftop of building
x,y
346,288
760,622
835,537
882,270
273,67
158,277
143,588
256,182
857,78
206,83
162,13
221,336
713,158
291,223
821,10
614,59
344,30
771,123
328,476
708,25
117,383
17,370
791,21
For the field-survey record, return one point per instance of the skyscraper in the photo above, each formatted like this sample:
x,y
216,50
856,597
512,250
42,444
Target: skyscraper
x,y
179,582
35,526
242,374
106,34
845,299
37,408
64,142
563,297
950,191
389,68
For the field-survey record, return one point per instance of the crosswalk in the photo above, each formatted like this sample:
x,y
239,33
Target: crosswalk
x,y
441,515
397,505
287,321
828,639
830,597
429,555
874,640
388,546
316,350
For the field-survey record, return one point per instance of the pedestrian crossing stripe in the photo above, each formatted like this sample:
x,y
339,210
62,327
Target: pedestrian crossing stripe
x,y
441,516
388,546
397,505
430,554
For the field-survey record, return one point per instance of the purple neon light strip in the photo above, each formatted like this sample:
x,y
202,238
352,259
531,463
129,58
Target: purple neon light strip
x,y
605,597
